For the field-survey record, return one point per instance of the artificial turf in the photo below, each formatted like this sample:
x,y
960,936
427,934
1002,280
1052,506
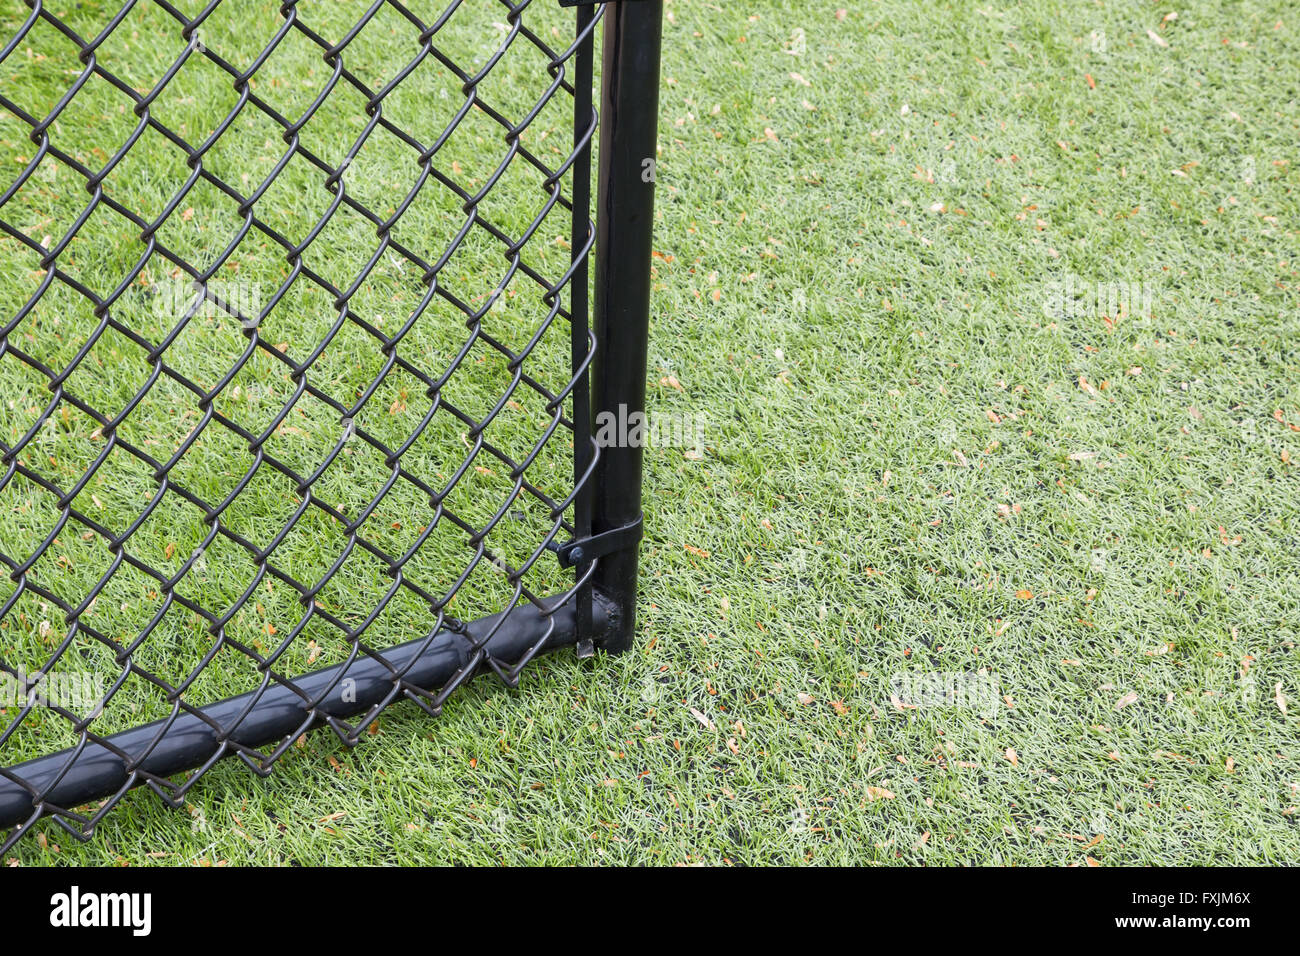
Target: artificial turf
x,y
922,460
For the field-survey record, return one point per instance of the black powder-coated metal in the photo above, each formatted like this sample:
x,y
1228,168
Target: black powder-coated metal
x,y
282,714
624,227
607,368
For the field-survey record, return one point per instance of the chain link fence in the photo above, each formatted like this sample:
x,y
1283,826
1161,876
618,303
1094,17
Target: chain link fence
x,y
297,370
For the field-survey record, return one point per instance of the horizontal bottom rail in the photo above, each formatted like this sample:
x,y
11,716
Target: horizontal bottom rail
x,y
97,772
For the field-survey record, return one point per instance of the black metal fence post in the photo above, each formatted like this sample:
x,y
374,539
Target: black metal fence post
x,y
624,220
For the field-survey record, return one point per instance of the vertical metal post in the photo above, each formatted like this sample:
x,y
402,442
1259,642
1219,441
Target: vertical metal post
x,y
629,120
583,118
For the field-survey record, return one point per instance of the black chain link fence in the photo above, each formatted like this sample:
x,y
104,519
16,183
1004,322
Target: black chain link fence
x,y
294,400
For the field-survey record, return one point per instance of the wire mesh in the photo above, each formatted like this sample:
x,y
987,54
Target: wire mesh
x,y
294,357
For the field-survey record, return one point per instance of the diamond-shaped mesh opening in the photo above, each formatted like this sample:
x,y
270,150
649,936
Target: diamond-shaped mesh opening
x,y
285,369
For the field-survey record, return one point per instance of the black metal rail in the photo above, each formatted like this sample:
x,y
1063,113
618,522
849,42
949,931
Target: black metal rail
x,y
240,725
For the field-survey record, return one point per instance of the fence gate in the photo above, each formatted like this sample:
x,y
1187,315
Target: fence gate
x,y
298,369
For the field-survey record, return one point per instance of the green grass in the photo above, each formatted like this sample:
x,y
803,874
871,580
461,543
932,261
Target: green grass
x,y
910,468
